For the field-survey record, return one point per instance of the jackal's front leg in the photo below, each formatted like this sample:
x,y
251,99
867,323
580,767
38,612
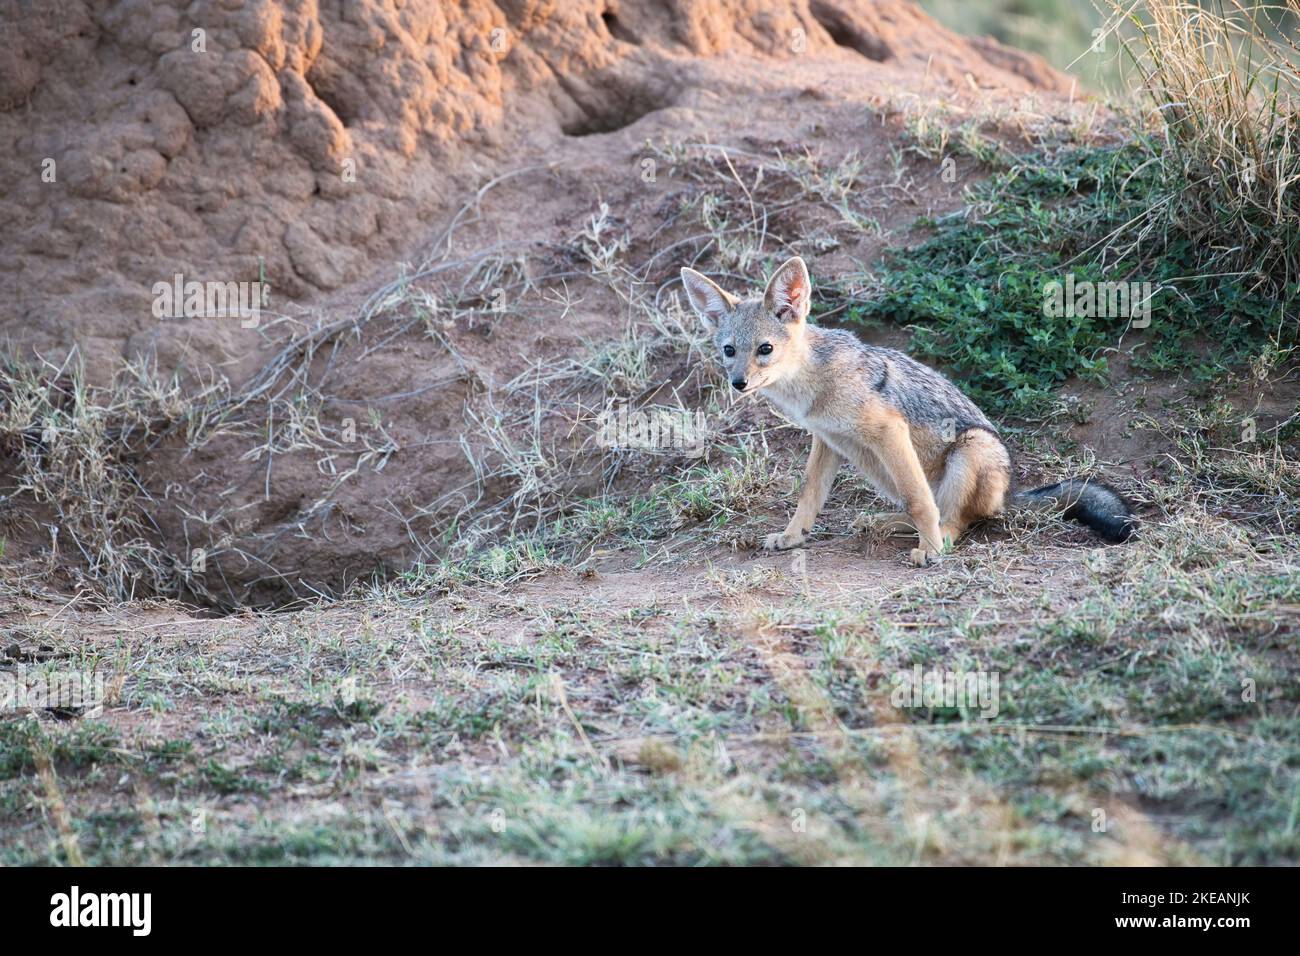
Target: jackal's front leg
x,y
817,479
893,444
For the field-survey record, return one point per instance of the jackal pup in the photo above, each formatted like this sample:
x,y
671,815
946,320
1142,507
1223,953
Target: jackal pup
x,y
921,442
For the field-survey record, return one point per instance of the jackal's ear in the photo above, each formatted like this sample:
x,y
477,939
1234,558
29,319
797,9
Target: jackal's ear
x,y
708,299
789,291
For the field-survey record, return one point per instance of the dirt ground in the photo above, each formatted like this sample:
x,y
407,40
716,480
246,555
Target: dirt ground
x,y
687,699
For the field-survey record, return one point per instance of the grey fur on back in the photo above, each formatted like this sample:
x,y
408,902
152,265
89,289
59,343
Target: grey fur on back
x,y
923,395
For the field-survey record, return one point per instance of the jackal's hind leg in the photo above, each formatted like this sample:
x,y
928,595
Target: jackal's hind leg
x,y
974,483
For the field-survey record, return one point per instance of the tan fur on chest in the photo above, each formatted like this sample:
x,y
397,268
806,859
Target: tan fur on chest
x,y
855,429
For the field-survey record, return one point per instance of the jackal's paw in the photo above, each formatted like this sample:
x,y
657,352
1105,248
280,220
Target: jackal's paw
x,y
923,556
783,541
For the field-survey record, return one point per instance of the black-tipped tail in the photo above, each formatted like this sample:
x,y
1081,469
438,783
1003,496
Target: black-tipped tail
x,y
1100,507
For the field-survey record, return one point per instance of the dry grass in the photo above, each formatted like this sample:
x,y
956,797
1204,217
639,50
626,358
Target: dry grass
x,y
76,448
1224,84
708,710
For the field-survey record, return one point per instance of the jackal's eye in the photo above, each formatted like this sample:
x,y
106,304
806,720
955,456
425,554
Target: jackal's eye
x,y
765,348
729,350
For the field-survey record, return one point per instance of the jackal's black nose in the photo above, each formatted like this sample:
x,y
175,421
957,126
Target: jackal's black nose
x,y
738,384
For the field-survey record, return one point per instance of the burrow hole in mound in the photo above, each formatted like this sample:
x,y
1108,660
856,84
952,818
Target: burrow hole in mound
x,y
846,34
617,30
330,97
613,111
